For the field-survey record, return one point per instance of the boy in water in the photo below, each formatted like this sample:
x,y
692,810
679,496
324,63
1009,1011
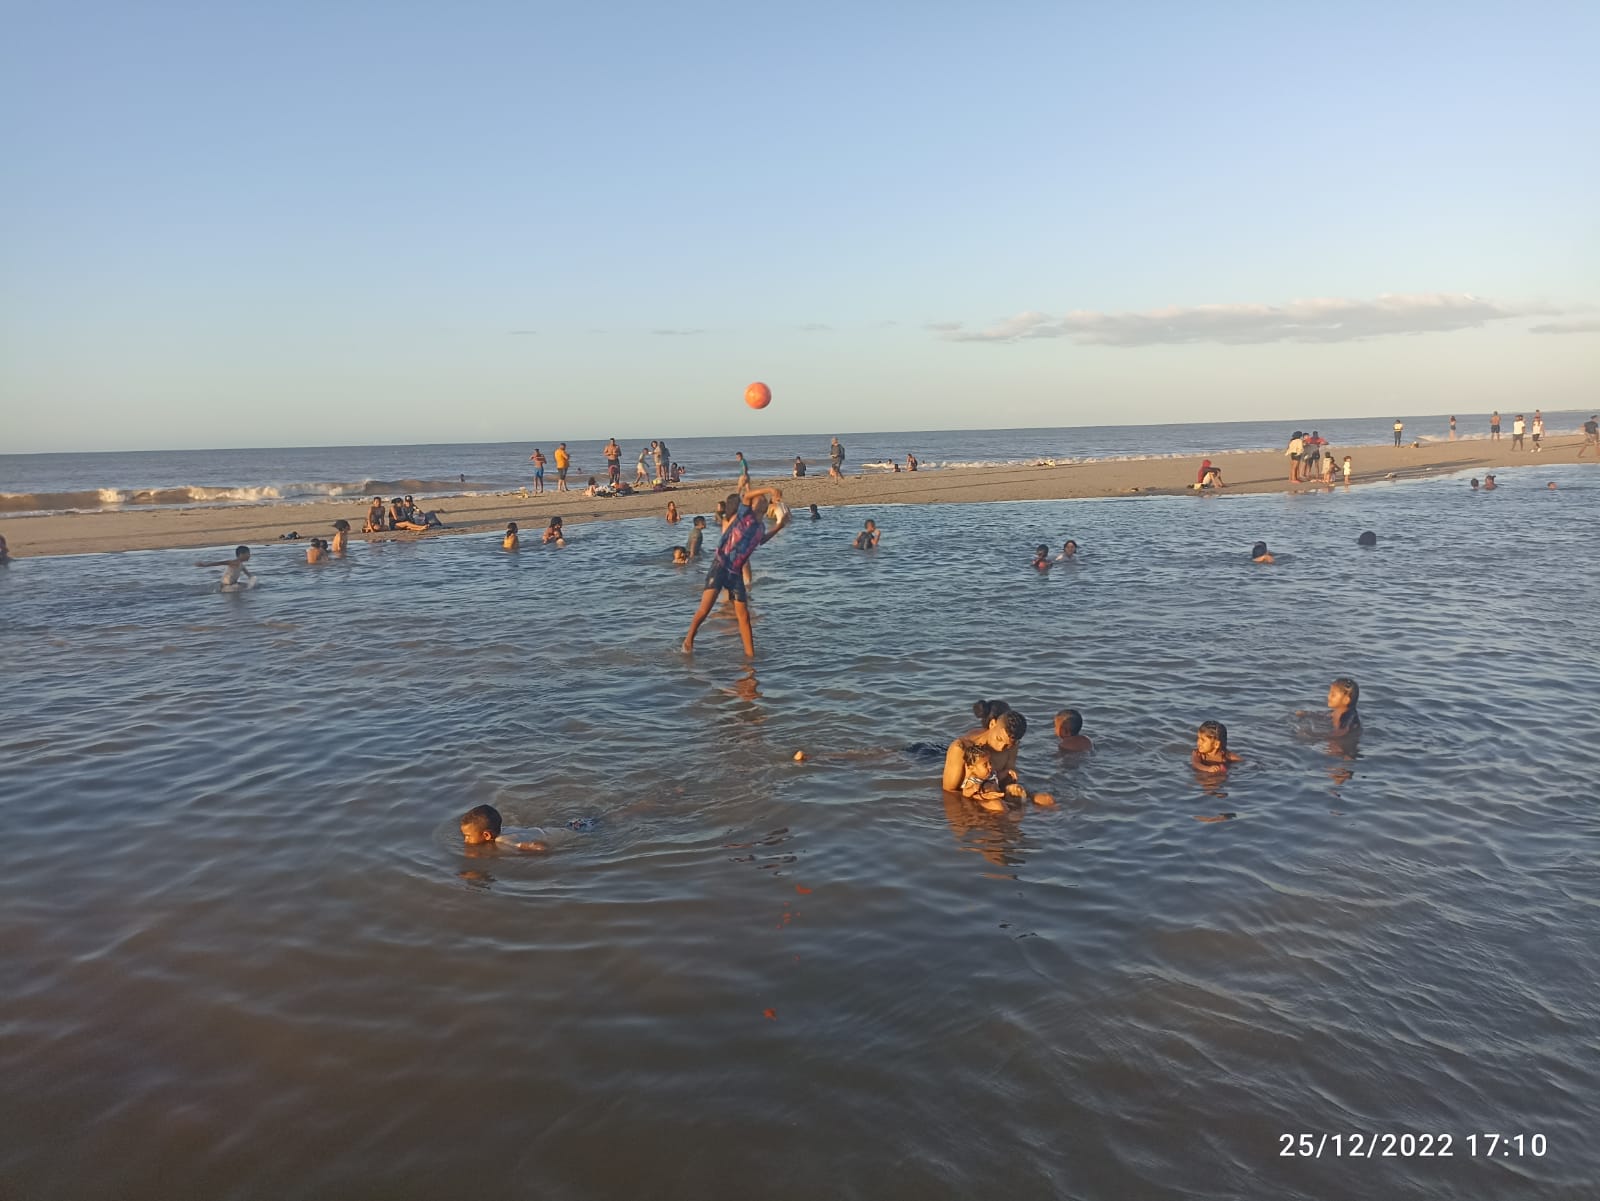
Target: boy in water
x,y
696,536
744,534
1260,554
867,539
982,782
482,825
1041,558
233,568
1211,753
1343,694
1069,723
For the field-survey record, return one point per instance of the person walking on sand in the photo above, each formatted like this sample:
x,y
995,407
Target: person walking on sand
x,y
836,460
1399,428
1591,436
641,473
1518,428
1537,431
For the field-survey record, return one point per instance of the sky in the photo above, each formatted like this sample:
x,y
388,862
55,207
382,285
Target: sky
x,y
298,224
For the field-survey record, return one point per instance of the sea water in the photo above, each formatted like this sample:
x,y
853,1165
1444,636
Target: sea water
x,y
245,955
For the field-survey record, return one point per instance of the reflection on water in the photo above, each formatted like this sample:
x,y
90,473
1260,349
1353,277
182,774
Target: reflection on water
x,y
246,954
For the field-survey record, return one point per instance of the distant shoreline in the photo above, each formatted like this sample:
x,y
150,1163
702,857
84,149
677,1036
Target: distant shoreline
x,y
1245,472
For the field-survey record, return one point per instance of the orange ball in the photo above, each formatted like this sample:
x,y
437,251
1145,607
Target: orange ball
x,y
758,396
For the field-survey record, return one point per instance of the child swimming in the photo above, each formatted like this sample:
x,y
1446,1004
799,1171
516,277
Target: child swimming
x,y
1041,558
1343,694
1211,753
233,568
1260,554
482,825
511,541
1069,723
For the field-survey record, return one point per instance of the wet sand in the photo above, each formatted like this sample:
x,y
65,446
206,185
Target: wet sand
x,y
1245,472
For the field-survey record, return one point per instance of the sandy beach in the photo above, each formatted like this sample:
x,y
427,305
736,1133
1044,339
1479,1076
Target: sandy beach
x,y
1244,472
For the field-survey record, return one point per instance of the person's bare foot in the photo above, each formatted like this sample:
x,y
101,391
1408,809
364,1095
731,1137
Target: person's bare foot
x,y
687,647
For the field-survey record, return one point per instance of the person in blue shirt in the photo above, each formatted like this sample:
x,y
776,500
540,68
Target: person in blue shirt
x,y
744,534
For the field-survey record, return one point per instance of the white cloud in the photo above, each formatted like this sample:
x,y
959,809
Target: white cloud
x,y
1317,320
1567,327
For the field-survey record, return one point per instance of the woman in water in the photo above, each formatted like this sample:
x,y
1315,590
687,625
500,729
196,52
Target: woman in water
x,y
1000,734
672,513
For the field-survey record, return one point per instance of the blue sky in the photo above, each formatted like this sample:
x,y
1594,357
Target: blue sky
x,y
230,225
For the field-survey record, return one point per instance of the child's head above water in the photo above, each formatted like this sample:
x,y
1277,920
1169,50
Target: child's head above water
x,y
978,762
1068,721
1211,737
481,824
1343,691
1259,549
511,527
241,552
680,555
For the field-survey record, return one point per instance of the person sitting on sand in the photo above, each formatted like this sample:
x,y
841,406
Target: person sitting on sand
x,y
680,556
999,736
481,826
1069,550
1343,694
377,518
429,518
234,567
1211,753
981,783
554,533
1210,477
511,541
593,487
400,517
672,513
1069,723
697,533
867,539
1260,554
1041,558
341,537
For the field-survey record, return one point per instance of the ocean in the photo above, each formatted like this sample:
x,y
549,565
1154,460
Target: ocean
x,y
245,955
51,483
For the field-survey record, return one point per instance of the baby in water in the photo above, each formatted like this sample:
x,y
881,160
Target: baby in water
x,y
982,783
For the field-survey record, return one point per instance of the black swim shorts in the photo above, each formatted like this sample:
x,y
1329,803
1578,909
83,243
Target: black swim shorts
x,y
721,576
561,473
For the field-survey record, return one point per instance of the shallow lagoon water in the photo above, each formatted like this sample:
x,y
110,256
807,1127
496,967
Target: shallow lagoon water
x,y
246,956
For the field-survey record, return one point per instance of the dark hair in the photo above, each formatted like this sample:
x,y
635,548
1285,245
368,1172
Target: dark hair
x,y
240,550
758,505
731,503
1217,730
1041,550
481,818
1014,724
1349,686
1368,538
1073,718
592,479
698,520
1259,549
511,527
987,711
341,524
555,523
